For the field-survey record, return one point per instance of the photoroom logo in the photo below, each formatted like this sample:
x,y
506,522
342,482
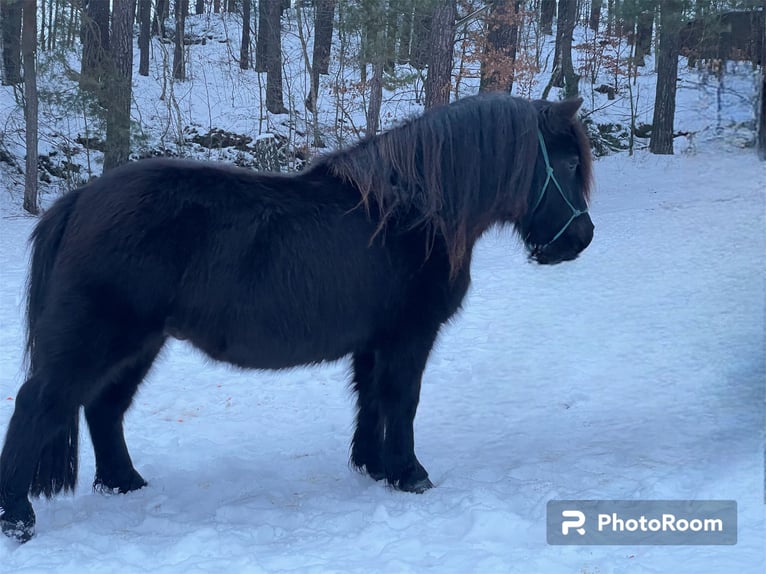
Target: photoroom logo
x,y
631,522
578,523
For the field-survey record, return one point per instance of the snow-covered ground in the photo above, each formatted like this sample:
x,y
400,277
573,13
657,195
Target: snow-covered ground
x,y
635,372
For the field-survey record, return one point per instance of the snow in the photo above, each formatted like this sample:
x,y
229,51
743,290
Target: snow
x,y
635,372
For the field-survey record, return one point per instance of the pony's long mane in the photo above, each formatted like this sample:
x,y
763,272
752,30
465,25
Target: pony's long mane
x,y
446,168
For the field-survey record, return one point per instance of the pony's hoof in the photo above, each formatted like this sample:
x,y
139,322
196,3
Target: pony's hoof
x,y
418,486
376,475
134,482
19,530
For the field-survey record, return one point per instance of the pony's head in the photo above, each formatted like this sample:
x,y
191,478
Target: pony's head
x,y
556,226
459,169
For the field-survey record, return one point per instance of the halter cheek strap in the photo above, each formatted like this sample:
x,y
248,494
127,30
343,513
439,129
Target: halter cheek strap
x,y
550,177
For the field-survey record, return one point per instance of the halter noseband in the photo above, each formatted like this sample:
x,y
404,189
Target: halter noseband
x,y
550,177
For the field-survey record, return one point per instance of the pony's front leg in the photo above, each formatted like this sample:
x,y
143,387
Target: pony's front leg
x,y
367,444
399,369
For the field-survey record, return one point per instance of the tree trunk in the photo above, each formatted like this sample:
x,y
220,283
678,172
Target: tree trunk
x,y
499,58
563,75
320,63
405,32
244,48
610,19
29,49
595,14
547,12
661,141
644,25
160,15
10,16
261,43
373,46
199,7
421,25
119,86
376,98
441,42
762,116
95,45
393,16
274,96
144,35
179,66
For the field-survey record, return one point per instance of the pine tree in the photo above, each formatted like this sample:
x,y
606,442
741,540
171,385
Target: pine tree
x,y
29,50
661,141
10,20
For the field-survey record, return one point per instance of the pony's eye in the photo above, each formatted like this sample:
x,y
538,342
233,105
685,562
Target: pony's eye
x,y
573,164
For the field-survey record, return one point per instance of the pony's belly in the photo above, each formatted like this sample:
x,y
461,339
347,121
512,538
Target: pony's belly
x,y
258,349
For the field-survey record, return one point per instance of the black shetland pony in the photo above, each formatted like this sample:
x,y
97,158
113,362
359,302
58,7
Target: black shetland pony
x,y
365,253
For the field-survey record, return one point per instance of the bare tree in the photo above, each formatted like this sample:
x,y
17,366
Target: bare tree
x,y
179,65
610,17
661,141
376,98
144,35
244,48
405,31
10,18
762,114
161,12
95,45
547,12
375,51
261,40
441,42
563,75
273,31
644,26
393,17
497,63
320,63
119,87
421,26
199,7
595,14
29,49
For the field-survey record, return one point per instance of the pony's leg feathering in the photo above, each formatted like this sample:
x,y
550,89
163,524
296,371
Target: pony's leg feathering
x,y
39,455
104,414
389,392
367,444
400,369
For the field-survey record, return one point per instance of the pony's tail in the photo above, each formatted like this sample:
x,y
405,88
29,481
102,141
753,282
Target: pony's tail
x,y
56,468
45,240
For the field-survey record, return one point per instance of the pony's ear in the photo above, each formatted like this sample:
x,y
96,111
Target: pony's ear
x,y
568,108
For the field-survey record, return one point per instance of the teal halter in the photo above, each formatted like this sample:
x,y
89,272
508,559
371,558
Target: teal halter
x,y
550,177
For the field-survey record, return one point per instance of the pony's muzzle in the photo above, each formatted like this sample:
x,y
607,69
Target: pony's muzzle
x,y
567,247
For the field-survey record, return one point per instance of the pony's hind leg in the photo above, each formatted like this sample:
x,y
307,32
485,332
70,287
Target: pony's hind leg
x,y
367,444
45,416
78,350
104,415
